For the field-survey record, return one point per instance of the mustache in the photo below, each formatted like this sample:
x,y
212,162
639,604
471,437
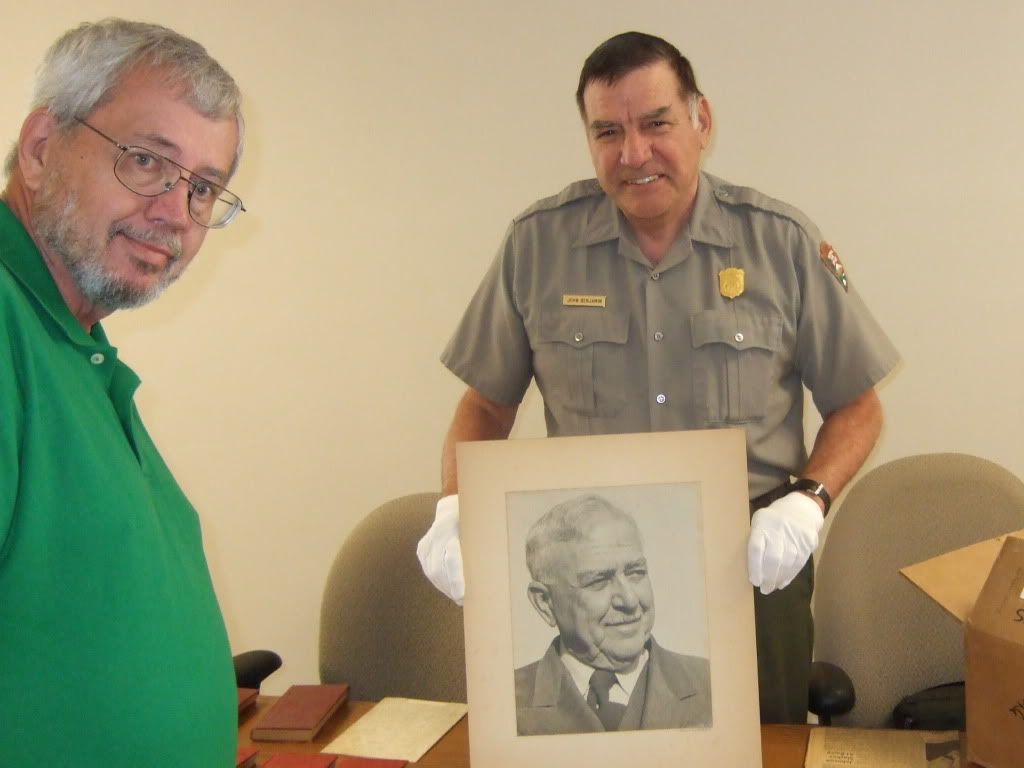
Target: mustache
x,y
169,241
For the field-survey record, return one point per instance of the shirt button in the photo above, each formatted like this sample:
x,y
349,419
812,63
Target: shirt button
x,y
655,275
661,399
578,336
97,358
658,335
738,337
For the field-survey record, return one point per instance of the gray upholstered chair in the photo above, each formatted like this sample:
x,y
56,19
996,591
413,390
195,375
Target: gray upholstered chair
x,y
384,629
890,637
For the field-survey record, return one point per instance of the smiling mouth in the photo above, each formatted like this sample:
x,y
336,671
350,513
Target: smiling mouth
x,y
626,623
644,180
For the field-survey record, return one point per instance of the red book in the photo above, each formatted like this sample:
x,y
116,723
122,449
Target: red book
x,y
246,757
300,713
246,698
370,762
299,760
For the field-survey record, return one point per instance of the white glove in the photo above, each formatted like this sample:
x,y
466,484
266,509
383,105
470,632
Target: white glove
x,y
783,536
440,552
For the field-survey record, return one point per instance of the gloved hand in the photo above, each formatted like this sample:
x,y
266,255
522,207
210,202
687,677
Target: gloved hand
x,y
783,536
440,552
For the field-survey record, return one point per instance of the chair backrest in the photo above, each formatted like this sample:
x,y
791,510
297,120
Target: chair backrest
x,y
384,629
890,637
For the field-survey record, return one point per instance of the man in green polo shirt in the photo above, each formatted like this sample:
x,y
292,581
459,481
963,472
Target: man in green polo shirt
x,y
113,650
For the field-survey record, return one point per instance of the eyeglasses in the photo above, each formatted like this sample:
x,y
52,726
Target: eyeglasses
x,y
150,174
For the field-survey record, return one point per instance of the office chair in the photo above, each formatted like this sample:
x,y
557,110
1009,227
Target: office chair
x,y
889,637
384,629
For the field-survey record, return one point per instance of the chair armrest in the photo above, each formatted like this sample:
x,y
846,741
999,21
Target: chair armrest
x,y
252,667
831,692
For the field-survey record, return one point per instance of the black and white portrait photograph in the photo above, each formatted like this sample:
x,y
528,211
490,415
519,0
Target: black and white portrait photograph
x,y
609,609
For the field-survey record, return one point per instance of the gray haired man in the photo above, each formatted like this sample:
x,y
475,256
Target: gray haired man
x,y
113,650
604,671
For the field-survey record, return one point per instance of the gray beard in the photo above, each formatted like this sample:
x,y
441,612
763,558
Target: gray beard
x,y
55,223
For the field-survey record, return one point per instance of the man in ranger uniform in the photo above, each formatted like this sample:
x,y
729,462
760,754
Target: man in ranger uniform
x,y
658,297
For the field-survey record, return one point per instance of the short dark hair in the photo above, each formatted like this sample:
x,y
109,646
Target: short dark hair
x,y
618,56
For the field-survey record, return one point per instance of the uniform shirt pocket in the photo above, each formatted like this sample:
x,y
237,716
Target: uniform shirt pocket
x,y
580,360
734,354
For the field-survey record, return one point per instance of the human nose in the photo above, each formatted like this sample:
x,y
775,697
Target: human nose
x,y
171,206
624,596
636,149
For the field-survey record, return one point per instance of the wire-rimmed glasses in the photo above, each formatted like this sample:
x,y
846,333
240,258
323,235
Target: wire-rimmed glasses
x,y
149,174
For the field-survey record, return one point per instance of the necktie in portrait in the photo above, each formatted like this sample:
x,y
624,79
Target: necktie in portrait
x,y
609,712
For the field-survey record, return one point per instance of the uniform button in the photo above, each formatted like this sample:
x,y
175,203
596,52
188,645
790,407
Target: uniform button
x,y
578,336
97,358
655,275
658,335
661,399
738,337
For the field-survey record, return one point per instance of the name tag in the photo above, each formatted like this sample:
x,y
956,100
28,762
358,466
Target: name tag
x,y
581,300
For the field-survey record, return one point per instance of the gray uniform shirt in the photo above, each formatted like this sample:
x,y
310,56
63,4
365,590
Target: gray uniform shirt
x,y
617,345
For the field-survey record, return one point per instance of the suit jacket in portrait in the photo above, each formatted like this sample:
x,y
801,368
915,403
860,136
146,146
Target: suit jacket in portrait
x,y
675,692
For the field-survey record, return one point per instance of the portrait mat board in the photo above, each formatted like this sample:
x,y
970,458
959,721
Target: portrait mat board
x,y
712,460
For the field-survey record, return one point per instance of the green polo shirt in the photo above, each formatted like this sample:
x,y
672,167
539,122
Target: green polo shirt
x,y
113,650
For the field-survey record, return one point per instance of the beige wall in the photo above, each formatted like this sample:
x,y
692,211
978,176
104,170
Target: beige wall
x,y
292,377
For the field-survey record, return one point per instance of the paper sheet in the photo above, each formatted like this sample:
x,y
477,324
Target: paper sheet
x,y
395,728
882,748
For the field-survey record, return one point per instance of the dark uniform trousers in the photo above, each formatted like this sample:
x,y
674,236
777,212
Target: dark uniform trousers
x,y
785,639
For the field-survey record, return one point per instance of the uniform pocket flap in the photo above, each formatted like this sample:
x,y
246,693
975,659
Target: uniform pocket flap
x,y
739,330
583,326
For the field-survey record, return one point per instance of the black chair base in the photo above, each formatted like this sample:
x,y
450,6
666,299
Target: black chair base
x,y
252,667
831,692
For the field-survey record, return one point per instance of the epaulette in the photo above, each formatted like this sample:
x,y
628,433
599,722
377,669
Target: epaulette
x,y
574,193
731,194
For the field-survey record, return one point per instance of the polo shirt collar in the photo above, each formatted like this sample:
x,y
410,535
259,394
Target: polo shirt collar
x,y
20,255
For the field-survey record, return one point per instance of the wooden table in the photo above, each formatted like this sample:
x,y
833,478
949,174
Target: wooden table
x,y
782,746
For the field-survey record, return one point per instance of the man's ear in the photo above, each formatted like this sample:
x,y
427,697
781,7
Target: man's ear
x,y
704,121
39,134
540,598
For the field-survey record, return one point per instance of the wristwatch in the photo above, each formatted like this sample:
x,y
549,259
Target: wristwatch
x,y
814,488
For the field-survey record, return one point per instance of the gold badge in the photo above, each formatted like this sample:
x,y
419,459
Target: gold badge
x,y
582,300
830,259
730,282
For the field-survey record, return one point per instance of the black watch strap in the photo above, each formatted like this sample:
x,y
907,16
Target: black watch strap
x,y
814,488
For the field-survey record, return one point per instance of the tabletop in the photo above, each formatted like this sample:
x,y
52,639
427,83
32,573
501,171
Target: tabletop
x,y
782,746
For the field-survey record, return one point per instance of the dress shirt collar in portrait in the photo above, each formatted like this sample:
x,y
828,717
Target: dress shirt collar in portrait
x,y
620,692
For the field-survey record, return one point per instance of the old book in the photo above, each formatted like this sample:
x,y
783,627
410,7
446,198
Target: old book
x,y
370,762
300,760
300,713
246,698
246,757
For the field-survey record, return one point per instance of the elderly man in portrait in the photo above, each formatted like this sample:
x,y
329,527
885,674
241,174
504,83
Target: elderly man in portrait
x,y
113,650
604,671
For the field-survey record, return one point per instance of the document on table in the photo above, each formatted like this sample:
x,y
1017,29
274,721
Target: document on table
x,y
882,748
397,728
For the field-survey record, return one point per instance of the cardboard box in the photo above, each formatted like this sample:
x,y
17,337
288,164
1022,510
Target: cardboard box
x,y
983,586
